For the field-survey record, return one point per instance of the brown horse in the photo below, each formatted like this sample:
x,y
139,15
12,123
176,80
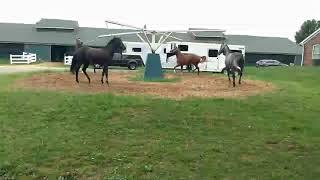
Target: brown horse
x,y
187,59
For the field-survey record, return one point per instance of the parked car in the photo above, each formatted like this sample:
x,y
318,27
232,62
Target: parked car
x,y
269,62
130,61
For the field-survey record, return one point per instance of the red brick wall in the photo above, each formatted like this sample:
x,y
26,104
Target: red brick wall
x,y
307,56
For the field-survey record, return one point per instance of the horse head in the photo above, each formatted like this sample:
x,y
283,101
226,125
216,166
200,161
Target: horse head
x,y
116,45
222,49
175,51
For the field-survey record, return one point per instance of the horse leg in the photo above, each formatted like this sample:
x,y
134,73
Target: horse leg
x,y
234,77
240,75
181,69
102,75
228,72
84,69
197,67
106,73
77,73
189,68
174,69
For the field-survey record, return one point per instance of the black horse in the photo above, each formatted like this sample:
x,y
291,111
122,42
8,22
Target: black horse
x,y
234,62
86,56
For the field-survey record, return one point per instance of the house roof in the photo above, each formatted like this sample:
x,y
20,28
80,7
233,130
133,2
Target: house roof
x,y
30,34
310,37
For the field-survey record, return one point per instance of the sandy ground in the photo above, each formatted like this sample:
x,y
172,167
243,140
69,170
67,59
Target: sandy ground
x,y
190,85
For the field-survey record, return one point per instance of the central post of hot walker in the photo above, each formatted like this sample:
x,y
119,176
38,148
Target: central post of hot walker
x,y
153,69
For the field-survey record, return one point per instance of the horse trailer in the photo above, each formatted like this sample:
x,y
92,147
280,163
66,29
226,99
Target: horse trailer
x,y
214,63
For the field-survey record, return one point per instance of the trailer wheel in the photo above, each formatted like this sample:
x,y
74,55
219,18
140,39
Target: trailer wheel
x,y
132,66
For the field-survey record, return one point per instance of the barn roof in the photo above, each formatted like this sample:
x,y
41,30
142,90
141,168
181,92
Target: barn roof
x,y
57,24
207,33
90,35
30,34
258,44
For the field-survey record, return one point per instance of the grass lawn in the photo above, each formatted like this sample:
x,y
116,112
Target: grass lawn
x,y
77,136
4,61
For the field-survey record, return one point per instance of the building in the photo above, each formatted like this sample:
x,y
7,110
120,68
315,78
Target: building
x,y
51,39
311,49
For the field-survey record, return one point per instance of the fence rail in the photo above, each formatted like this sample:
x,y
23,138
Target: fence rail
x,y
68,60
25,58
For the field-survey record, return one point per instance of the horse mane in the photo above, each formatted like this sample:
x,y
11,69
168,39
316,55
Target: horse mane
x,y
110,43
79,43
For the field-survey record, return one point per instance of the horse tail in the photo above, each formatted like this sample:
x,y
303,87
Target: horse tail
x,y
239,68
203,59
73,64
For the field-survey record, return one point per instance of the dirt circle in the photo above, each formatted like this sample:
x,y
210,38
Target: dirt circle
x,y
188,85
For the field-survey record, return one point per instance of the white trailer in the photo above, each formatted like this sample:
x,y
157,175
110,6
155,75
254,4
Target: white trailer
x,y
214,63
143,49
137,48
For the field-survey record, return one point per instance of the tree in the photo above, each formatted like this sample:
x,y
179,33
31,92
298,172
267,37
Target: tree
x,y
306,29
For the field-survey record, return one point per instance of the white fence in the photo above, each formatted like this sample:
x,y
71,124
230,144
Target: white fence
x,y
25,58
68,60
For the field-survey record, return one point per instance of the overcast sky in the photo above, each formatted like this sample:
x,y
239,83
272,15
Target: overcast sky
x,y
281,18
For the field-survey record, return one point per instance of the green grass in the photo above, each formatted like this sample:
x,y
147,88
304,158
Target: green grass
x,y
4,61
272,136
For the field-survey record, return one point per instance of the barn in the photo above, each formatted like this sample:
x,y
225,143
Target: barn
x,y
51,39
311,49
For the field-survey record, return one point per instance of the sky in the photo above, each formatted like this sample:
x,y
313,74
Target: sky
x,y
279,18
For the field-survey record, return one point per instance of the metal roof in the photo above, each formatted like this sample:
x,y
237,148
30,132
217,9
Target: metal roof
x,y
207,33
89,36
28,33
57,24
267,45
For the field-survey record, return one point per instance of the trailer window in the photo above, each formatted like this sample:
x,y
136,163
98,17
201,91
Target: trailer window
x,y
173,45
165,50
136,49
183,47
213,53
